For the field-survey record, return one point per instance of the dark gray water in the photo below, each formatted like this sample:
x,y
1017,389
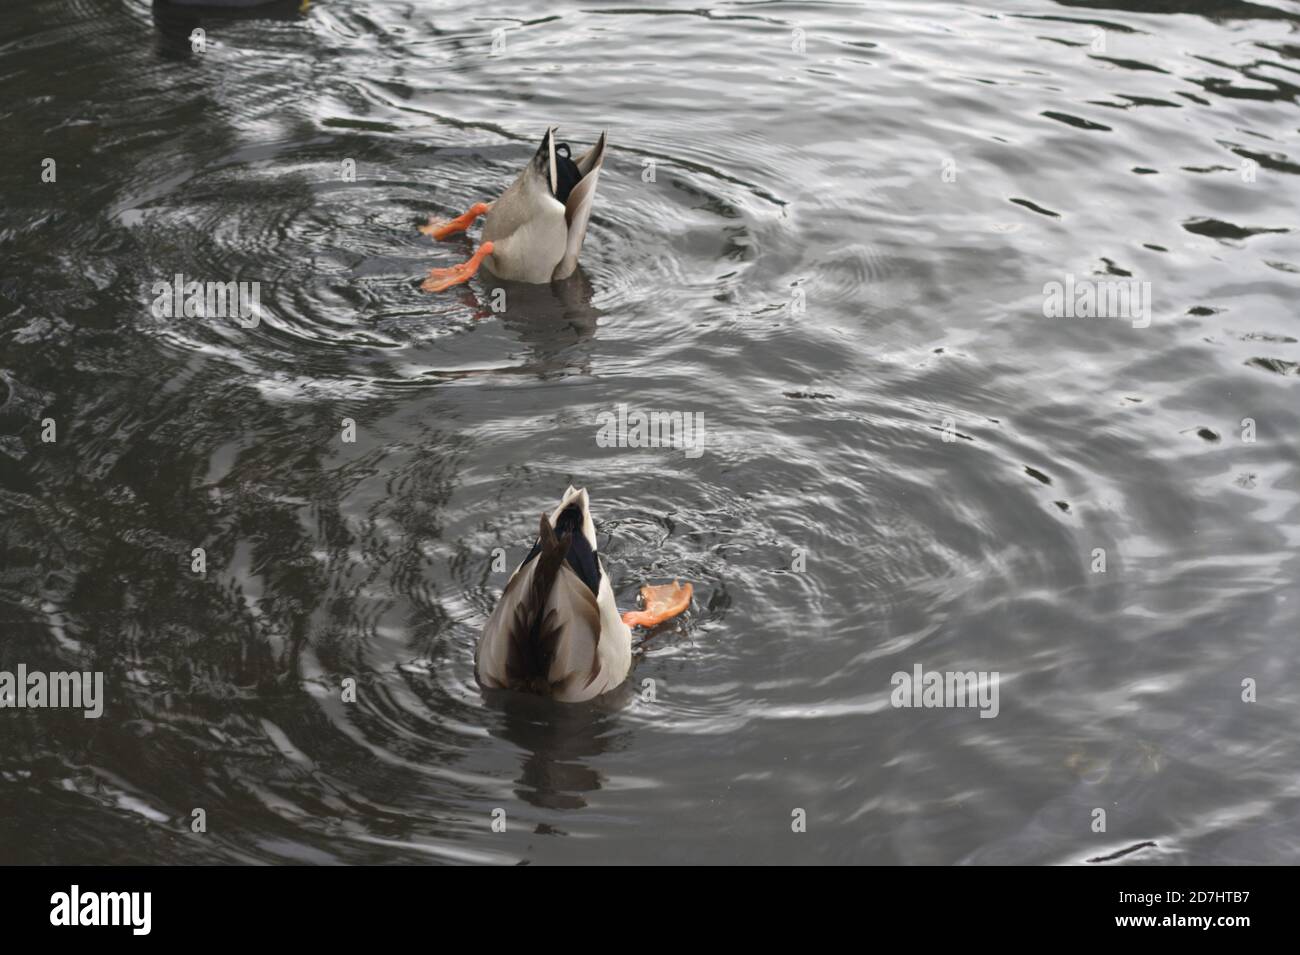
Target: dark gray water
x,y
840,262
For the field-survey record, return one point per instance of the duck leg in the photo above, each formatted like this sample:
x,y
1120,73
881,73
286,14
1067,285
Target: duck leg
x,y
441,228
440,279
662,602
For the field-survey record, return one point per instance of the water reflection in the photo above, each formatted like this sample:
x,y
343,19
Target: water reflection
x,y
176,20
559,743
556,322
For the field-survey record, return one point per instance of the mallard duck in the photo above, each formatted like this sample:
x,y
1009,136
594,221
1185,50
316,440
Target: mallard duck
x,y
556,630
534,230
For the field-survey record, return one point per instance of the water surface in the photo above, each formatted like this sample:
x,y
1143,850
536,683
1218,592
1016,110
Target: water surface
x,y
827,227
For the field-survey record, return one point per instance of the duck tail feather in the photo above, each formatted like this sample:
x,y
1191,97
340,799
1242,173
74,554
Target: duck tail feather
x,y
543,162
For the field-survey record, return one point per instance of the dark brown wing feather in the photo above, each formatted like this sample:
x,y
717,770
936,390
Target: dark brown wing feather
x,y
534,631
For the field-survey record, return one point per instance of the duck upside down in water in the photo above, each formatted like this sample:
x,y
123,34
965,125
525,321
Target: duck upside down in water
x,y
556,630
534,230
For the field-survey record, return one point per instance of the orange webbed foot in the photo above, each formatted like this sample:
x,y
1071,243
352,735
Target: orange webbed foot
x,y
660,602
440,279
441,228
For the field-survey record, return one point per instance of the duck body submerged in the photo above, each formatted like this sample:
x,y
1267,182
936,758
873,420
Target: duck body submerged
x,y
535,229
556,630
538,224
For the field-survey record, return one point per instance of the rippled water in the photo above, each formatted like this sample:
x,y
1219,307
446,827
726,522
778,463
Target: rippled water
x,y
840,262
